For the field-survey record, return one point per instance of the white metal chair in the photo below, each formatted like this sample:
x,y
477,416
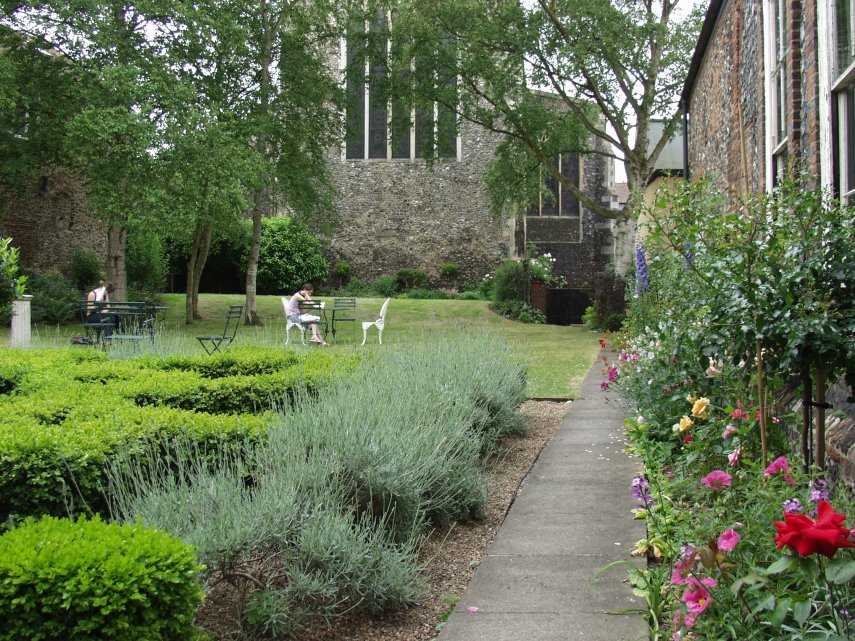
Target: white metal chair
x,y
289,324
379,323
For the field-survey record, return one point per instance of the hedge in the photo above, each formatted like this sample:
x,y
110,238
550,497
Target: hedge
x,y
66,414
84,579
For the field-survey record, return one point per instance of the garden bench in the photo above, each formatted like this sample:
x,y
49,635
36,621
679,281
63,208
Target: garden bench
x,y
121,321
213,343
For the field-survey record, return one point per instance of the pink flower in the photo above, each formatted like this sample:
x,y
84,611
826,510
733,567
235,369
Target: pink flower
x,y
734,457
780,464
680,575
729,431
604,385
688,438
727,540
699,599
717,480
613,374
690,620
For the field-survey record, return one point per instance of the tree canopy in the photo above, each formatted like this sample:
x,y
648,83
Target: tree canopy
x,y
552,75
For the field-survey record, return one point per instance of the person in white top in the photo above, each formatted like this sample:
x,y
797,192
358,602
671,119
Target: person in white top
x,y
96,314
292,311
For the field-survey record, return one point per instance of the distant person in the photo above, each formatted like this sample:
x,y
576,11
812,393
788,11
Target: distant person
x,y
292,311
96,313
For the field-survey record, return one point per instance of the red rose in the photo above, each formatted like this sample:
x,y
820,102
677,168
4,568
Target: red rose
x,y
806,536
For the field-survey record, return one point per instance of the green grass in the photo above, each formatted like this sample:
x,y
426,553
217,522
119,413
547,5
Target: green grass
x,y
557,357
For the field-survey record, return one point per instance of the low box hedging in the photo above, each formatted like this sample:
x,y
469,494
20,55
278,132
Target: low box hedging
x,y
84,579
67,415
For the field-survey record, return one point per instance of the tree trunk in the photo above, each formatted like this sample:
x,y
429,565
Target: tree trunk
x,y
819,450
195,264
761,395
260,200
117,272
252,264
806,401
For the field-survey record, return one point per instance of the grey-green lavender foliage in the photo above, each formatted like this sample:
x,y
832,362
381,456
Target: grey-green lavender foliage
x,y
331,506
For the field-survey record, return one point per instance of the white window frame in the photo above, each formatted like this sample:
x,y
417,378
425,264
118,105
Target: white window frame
x,y
834,85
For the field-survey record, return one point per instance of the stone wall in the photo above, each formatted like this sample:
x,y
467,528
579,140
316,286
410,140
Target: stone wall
x,y
403,214
726,124
47,219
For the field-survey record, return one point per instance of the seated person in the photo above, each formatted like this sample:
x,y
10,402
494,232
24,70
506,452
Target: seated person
x,y
292,310
97,314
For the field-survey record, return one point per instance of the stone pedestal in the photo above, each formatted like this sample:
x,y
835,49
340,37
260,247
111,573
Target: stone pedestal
x,y
20,334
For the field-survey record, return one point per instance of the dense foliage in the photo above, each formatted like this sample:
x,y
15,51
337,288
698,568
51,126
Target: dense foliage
x,y
84,579
11,282
290,256
64,414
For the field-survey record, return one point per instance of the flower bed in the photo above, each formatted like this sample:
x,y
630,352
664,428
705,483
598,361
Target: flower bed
x,y
746,538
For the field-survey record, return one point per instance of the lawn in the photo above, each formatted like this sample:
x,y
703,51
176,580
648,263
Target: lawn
x,y
558,357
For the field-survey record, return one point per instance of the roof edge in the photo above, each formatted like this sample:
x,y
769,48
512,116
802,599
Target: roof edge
x,y
710,21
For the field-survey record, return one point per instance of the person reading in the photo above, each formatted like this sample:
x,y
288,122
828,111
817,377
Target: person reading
x,y
292,311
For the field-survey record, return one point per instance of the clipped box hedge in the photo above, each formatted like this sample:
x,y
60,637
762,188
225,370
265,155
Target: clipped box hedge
x,y
84,579
67,413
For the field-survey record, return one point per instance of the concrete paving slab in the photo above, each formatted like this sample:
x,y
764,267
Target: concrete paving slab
x,y
539,495
543,626
559,533
548,584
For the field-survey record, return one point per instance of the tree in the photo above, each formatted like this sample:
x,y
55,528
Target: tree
x,y
551,75
292,105
208,177
111,64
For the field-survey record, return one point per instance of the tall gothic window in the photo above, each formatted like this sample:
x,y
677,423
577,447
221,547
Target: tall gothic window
x,y
555,199
378,128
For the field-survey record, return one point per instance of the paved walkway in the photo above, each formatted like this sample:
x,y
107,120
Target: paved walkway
x,y
571,518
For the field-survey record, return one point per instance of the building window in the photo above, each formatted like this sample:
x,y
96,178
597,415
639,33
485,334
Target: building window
x,y
378,128
777,90
555,199
843,100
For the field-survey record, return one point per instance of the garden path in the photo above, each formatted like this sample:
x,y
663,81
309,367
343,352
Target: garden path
x,y
571,517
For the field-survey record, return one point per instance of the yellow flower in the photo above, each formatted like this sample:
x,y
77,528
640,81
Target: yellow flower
x,y
685,423
699,409
691,398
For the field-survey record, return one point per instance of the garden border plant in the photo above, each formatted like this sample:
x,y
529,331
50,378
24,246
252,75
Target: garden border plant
x,y
713,330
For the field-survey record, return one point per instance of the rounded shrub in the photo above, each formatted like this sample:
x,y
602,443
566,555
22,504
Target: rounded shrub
x,y
55,299
289,256
85,579
509,282
407,279
385,286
